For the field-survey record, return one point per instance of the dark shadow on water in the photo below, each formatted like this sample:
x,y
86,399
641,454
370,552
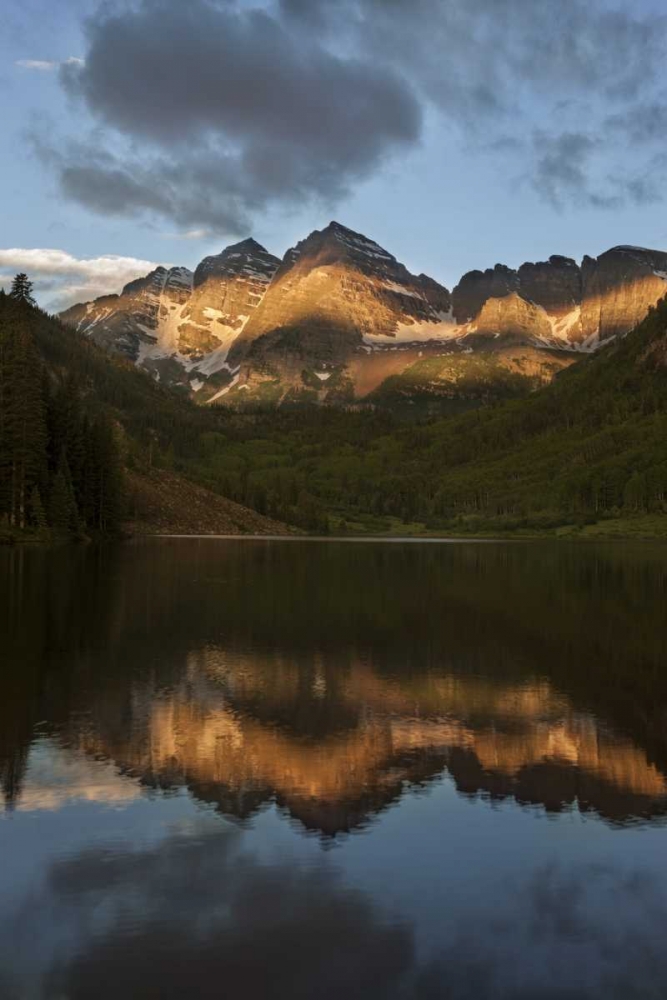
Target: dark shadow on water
x,y
534,672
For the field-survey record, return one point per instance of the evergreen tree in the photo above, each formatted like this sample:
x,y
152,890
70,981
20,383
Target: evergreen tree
x,y
59,505
102,478
22,289
22,416
37,514
66,432
63,515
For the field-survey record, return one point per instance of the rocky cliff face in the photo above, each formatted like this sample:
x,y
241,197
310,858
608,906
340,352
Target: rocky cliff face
x,y
617,290
227,289
340,290
336,295
126,322
510,316
339,314
555,285
575,307
476,287
177,324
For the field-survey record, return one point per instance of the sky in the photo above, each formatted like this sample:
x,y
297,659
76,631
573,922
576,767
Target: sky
x,y
456,133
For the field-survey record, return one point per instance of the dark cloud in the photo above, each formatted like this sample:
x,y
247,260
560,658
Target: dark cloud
x,y
208,187
561,170
244,75
570,168
476,55
641,124
228,111
216,110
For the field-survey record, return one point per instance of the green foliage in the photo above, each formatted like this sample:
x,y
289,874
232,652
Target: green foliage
x,y
63,513
59,462
591,446
22,289
37,514
446,385
22,415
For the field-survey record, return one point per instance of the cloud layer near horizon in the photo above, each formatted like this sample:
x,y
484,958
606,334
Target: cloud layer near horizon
x,y
60,279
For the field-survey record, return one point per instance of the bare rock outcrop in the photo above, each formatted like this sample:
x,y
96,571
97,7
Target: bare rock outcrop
x,y
227,289
334,292
618,288
476,287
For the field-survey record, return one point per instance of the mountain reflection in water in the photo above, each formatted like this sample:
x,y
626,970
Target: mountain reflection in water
x,y
327,683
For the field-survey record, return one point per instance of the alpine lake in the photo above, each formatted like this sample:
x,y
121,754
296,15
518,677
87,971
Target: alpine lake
x,y
318,769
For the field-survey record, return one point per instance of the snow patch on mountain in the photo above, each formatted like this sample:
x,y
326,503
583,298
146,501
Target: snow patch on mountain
x,y
223,392
393,286
418,332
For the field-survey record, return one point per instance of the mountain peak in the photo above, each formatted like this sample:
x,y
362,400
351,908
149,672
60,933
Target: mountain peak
x,y
339,231
339,227
247,258
249,245
352,243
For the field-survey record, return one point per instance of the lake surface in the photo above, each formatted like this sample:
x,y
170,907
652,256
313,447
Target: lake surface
x,y
333,770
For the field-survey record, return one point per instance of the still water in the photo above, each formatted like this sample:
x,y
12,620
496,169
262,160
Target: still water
x,y
303,769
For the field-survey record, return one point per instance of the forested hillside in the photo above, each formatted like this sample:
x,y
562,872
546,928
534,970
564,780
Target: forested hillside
x,y
589,448
74,420
60,463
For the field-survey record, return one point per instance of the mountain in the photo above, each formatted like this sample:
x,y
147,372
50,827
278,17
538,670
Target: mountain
x,y
227,289
585,453
340,319
561,304
336,299
178,325
90,444
129,323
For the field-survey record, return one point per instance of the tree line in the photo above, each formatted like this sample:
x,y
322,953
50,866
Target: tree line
x,y
60,469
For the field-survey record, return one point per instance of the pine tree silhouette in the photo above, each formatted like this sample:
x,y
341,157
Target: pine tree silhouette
x,y
23,434
22,289
37,514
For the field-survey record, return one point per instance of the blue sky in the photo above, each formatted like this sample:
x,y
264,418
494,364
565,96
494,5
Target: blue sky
x,y
457,133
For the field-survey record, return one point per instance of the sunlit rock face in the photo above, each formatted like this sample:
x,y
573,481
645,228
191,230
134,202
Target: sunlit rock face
x,y
511,317
336,295
566,306
227,289
618,288
336,290
340,314
177,325
476,287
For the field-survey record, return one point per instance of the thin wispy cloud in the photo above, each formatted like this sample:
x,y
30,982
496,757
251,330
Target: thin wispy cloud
x,y
48,65
43,65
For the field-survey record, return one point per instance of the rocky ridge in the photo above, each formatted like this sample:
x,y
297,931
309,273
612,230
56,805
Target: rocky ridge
x,y
339,314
